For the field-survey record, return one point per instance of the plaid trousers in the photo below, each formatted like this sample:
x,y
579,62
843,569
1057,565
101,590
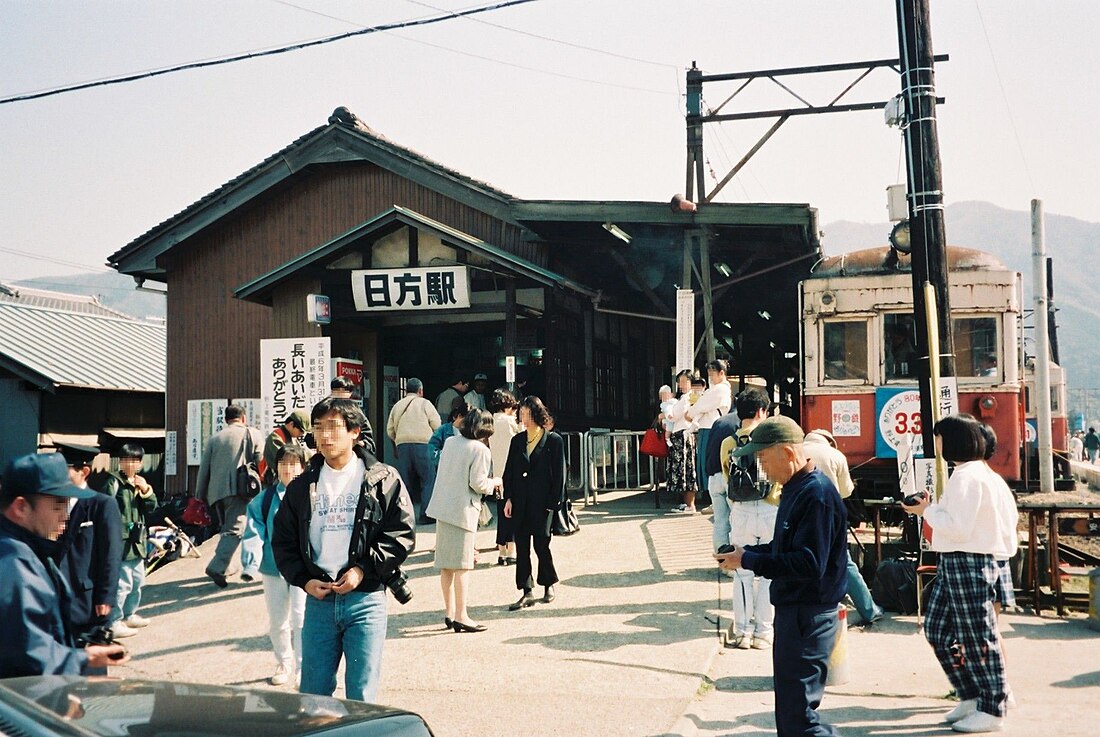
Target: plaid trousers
x,y
961,627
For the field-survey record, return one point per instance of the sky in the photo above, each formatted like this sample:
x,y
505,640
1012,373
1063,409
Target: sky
x,y
568,99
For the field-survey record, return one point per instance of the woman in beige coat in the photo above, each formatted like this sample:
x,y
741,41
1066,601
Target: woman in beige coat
x,y
460,483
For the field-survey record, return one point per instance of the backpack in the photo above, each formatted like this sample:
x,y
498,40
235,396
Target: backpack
x,y
744,484
895,585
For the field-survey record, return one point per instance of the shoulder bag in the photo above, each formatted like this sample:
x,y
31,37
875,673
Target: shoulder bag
x,y
248,476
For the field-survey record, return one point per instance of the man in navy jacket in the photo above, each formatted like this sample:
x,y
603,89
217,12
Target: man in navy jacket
x,y
807,562
34,597
91,547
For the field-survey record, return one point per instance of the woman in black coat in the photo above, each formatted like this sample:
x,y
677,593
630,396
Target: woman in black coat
x,y
534,487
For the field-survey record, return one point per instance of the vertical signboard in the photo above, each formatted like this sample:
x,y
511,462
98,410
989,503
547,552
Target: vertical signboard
x,y
255,414
685,329
205,417
294,374
170,453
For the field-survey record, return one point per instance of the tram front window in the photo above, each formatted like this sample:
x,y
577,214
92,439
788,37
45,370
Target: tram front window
x,y
976,346
845,350
901,346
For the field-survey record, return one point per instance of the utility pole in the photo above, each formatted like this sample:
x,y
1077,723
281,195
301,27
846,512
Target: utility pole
x,y
696,180
1042,349
925,188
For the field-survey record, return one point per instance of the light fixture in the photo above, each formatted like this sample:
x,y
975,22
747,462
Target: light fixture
x,y
765,315
723,269
788,354
771,343
727,324
899,237
618,232
987,406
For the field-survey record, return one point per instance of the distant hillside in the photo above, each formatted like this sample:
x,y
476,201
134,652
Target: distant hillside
x,y
1071,244
113,289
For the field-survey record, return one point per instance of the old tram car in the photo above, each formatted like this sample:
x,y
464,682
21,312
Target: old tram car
x,y
860,360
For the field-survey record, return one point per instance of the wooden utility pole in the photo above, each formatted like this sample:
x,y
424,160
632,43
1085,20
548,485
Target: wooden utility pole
x,y
926,224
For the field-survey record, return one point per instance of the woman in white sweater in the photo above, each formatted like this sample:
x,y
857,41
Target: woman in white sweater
x,y
503,404
973,526
460,483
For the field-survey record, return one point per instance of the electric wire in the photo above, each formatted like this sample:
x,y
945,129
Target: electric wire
x,y
52,260
1004,96
472,55
362,31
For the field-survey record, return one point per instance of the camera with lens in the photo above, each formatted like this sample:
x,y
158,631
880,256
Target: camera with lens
x,y
726,549
100,634
912,499
398,583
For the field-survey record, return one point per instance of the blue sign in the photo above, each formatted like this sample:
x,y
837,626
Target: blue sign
x,y
897,415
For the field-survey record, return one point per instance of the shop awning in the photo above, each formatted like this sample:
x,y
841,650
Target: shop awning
x,y
260,290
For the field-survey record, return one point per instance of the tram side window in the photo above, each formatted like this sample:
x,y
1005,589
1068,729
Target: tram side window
x,y
900,340
976,346
845,350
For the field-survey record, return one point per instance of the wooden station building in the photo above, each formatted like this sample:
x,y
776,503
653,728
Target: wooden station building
x,y
438,274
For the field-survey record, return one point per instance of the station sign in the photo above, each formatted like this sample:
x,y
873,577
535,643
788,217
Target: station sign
x,y
413,288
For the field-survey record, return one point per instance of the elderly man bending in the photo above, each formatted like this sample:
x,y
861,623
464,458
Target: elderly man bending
x,y
806,561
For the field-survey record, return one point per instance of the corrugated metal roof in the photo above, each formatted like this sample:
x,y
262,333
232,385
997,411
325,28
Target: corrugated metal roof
x,y
56,300
50,347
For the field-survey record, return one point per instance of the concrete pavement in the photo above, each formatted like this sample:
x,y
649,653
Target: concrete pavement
x,y
626,649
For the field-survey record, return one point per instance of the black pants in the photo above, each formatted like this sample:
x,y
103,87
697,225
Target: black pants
x,y
548,575
505,526
804,637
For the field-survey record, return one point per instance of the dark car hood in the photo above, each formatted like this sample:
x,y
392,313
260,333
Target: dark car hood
x,y
138,708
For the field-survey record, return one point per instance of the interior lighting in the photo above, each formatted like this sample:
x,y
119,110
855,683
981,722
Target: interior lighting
x,y
618,232
765,315
723,269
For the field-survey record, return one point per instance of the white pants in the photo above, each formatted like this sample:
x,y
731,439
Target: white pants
x,y
752,523
286,610
720,504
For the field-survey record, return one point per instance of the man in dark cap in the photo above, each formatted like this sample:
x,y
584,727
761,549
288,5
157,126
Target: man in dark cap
x,y
34,597
293,430
90,547
807,562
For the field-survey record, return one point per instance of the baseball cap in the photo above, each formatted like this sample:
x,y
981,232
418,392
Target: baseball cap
x,y
300,420
480,377
41,473
772,431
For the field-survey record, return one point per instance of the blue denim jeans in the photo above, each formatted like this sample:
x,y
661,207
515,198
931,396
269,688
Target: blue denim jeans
x,y
861,595
131,577
417,470
701,437
352,626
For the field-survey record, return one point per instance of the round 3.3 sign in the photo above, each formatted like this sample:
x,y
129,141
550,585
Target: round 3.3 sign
x,y
900,417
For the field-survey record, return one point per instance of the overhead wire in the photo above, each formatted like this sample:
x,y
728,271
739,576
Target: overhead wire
x,y
472,55
52,260
361,31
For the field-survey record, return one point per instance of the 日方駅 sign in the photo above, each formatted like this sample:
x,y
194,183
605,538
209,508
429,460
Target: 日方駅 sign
x,y
413,288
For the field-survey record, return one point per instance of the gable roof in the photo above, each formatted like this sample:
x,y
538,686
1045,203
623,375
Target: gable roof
x,y
261,288
344,138
51,348
89,304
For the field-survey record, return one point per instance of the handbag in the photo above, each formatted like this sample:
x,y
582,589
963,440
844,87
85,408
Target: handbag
x,y
196,513
248,476
485,517
653,444
564,521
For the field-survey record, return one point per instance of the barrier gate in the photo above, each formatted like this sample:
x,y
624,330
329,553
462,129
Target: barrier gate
x,y
602,460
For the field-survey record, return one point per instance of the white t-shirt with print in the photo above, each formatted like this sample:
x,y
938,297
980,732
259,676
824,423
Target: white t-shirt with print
x,y
334,515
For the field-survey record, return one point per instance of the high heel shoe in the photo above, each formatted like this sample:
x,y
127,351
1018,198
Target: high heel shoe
x,y
448,622
463,627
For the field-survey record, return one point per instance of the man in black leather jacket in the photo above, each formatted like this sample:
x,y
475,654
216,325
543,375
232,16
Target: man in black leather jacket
x,y
343,530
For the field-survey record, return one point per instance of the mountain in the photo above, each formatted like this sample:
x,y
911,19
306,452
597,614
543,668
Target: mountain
x,y
1071,244
113,289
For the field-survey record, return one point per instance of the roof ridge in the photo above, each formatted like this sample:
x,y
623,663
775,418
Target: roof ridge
x,y
116,317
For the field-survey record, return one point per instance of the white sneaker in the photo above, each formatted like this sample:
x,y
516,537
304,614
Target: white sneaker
x,y
280,678
761,643
739,641
964,709
979,721
136,620
1010,699
121,629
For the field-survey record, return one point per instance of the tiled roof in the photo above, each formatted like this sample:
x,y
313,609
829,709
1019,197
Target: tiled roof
x,y
56,300
50,348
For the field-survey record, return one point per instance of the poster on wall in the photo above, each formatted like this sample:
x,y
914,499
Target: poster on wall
x,y
170,453
847,422
255,414
685,329
205,417
897,413
294,374
352,370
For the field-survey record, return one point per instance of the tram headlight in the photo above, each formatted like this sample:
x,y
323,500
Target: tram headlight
x,y
987,406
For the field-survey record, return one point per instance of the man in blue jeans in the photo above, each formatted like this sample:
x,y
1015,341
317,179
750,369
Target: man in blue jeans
x,y
410,426
344,528
806,561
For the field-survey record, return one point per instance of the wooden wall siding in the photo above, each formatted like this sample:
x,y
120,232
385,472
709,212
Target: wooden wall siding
x,y
288,310
213,338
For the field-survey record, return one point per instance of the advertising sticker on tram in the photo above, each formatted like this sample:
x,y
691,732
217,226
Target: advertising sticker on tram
x,y
898,415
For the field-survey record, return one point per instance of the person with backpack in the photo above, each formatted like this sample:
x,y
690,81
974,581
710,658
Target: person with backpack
x,y
753,502
286,604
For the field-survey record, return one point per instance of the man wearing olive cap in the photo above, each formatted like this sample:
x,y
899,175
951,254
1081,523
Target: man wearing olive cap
x,y
34,597
807,562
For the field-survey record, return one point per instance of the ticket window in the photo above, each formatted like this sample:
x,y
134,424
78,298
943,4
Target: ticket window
x,y
845,351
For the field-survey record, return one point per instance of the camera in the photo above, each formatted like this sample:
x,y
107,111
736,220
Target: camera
x,y
101,634
914,499
727,549
398,583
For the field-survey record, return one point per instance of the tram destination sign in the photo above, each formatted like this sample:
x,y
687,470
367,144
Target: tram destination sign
x,y
413,288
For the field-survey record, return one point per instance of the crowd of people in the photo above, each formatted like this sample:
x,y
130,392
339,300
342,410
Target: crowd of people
x,y
329,531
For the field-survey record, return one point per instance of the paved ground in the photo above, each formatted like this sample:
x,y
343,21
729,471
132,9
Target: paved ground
x,y
625,650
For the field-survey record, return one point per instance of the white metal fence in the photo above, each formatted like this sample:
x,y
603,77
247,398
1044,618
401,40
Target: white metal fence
x,y
607,461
